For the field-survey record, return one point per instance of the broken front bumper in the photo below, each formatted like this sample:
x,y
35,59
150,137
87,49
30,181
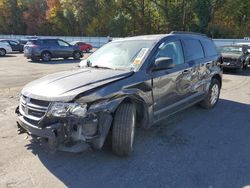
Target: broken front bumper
x,y
69,131
47,132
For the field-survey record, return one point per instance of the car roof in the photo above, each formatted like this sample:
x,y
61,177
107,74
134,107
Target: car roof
x,y
232,46
8,39
157,37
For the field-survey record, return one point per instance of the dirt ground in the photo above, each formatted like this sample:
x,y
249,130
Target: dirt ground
x,y
196,148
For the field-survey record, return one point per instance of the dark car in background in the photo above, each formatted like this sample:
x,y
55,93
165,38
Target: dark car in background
x,y
128,82
85,47
235,56
46,49
24,40
15,45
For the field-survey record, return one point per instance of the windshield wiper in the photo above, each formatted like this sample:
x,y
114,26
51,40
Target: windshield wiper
x,y
101,67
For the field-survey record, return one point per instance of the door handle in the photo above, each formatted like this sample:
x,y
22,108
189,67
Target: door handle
x,y
186,71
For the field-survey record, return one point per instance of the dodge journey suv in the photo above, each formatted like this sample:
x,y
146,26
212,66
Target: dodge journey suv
x,y
128,82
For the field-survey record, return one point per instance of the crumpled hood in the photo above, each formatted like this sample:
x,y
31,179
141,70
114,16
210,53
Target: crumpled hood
x,y
231,55
64,86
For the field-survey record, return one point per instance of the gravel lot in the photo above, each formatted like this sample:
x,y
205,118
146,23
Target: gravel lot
x,y
196,148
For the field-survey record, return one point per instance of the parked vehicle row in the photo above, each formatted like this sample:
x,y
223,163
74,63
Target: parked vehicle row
x,y
129,82
45,49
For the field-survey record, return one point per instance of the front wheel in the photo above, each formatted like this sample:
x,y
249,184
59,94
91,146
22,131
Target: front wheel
x,y
213,94
245,65
123,129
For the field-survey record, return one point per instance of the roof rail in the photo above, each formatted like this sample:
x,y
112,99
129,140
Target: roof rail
x,y
186,32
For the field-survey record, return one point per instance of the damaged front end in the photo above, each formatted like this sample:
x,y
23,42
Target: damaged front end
x,y
64,126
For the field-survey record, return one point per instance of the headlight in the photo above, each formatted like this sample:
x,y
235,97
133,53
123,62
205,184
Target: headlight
x,y
60,109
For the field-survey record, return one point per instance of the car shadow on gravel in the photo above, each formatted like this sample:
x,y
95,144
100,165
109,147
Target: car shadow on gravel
x,y
195,148
8,55
244,72
57,61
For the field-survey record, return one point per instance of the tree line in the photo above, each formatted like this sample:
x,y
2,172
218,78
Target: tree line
x,y
119,18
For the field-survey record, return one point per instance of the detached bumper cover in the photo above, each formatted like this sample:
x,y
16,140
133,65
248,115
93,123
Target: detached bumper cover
x,y
48,132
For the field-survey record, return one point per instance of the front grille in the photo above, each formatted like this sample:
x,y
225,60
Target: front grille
x,y
33,109
228,60
40,102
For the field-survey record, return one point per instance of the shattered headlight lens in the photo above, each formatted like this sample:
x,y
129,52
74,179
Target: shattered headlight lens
x,y
61,109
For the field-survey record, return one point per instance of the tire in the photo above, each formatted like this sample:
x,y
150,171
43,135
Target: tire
x,y
241,67
46,56
77,55
245,65
123,129
2,52
65,58
212,96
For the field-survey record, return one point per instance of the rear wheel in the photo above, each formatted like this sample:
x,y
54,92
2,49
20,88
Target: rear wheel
x,y
2,52
46,56
123,129
77,55
213,94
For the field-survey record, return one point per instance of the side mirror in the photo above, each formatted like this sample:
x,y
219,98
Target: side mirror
x,y
163,63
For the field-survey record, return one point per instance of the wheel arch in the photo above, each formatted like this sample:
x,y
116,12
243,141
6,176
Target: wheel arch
x,y
141,109
219,78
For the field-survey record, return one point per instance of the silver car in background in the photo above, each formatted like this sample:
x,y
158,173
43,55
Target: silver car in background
x,y
4,48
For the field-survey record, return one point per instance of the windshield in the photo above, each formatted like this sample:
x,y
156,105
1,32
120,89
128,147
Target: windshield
x,y
231,49
73,43
119,55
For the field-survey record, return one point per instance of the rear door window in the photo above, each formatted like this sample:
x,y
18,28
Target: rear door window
x,y
13,43
193,49
209,48
62,43
50,42
172,50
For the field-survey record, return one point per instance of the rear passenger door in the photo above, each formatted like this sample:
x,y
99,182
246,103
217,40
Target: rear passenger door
x,y
170,87
195,58
51,46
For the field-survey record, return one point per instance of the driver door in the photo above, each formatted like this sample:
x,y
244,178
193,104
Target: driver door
x,y
65,50
170,86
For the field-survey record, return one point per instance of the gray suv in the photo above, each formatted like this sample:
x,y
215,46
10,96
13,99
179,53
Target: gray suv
x,y
127,82
46,49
